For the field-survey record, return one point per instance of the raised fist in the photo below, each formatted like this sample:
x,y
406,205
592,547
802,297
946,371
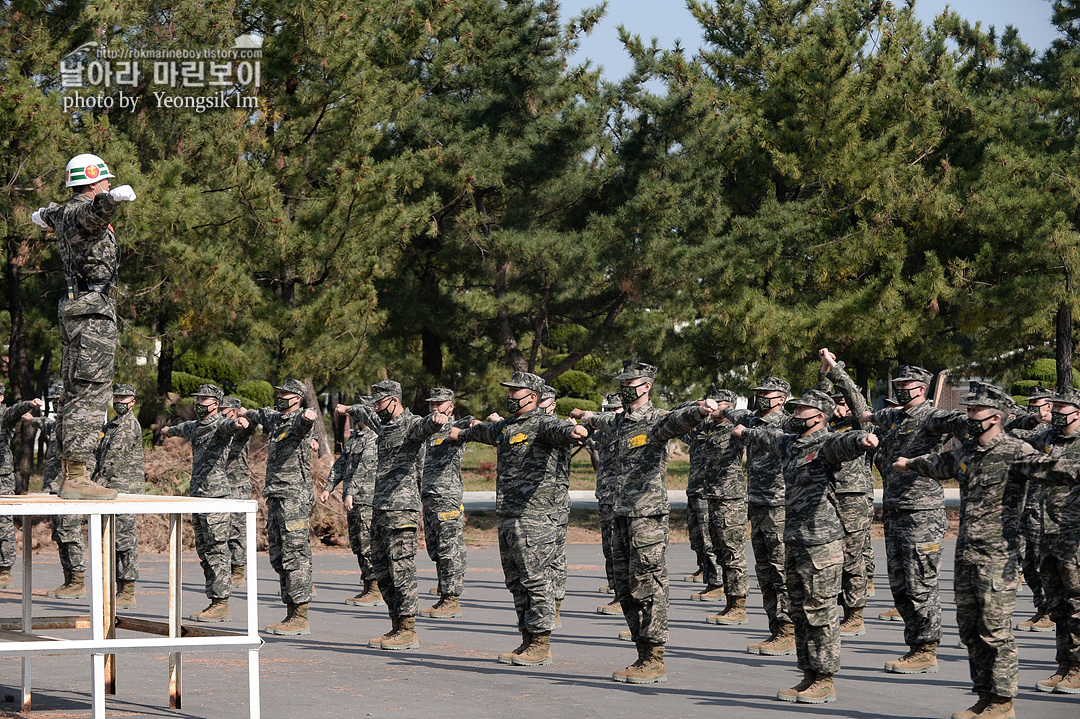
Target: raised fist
x,y
124,193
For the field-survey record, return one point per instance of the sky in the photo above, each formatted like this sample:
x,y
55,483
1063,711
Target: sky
x,y
669,20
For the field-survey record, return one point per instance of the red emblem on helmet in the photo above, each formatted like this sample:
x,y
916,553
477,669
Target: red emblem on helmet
x,y
92,171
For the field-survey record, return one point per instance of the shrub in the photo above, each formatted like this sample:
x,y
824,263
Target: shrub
x,y
184,383
1044,372
258,391
563,405
574,383
224,374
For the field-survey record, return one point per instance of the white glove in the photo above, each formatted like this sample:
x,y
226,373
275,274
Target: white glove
x,y
124,192
36,217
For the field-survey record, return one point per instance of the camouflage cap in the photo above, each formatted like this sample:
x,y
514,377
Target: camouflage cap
x,y
611,401
983,394
547,392
123,390
1039,392
231,403
209,390
525,380
386,388
773,384
293,386
911,373
1068,395
56,390
817,399
440,394
633,370
723,395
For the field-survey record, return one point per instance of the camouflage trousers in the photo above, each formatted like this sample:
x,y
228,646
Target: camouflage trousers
x,y
913,540
212,545
558,567
770,563
127,548
697,528
813,584
88,341
985,601
606,515
1031,533
444,536
639,555
527,549
394,543
288,534
67,532
727,535
359,521
7,525
856,511
238,527
1060,572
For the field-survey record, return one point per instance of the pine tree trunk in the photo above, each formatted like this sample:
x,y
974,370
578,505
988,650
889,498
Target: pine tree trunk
x,y
312,401
1063,347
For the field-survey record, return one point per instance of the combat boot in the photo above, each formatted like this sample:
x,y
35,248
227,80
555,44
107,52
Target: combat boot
x,y
626,635
294,624
614,607
537,653
998,707
648,669
975,709
508,658
217,611
447,607
921,659
733,615
1048,684
822,691
606,589
125,594
75,588
370,597
1070,684
6,582
698,576
1041,622
780,644
238,579
893,615
67,581
791,695
405,636
376,643
558,614
853,625
74,484
712,593
870,591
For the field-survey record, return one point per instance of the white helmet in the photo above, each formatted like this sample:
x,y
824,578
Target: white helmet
x,y
86,170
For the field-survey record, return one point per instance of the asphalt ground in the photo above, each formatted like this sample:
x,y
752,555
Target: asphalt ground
x,y
332,673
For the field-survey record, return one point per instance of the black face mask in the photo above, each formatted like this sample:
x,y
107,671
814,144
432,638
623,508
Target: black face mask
x,y
1060,420
763,404
385,414
281,404
121,408
514,404
202,411
975,427
629,395
903,396
801,424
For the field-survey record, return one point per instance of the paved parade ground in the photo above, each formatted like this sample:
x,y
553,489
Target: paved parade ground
x,y
454,674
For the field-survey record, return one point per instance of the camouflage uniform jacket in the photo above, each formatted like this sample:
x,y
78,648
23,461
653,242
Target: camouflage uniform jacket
x,y
9,420
1061,505
640,460
355,468
401,447
1027,427
912,433
120,455
48,425
715,461
210,440
605,476
810,468
288,459
440,484
764,470
855,476
88,246
527,449
991,495
236,465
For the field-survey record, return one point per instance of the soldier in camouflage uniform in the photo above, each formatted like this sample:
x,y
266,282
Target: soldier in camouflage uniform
x,y
987,548
562,480
211,437
289,498
697,517
9,420
914,514
355,471
396,507
441,493
765,499
239,473
604,446
91,257
854,494
813,461
120,466
528,505
640,536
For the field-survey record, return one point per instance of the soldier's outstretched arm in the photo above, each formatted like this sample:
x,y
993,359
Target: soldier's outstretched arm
x,y
846,446
186,430
837,376
680,421
940,465
768,438
95,216
484,433
1063,471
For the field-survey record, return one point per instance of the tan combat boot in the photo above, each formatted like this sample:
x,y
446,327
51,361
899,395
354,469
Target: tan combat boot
x,y
821,691
893,615
626,636
74,589
1070,684
405,636
791,695
733,615
648,669
921,659
870,591
998,708
698,576
537,653
712,593
217,611
778,645
1048,684
370,597
614,607
508,657
853,625
447,607
294,624
67,581
975,709
125,594
6,582
376,643
606,589
74,484
558,614
238,578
